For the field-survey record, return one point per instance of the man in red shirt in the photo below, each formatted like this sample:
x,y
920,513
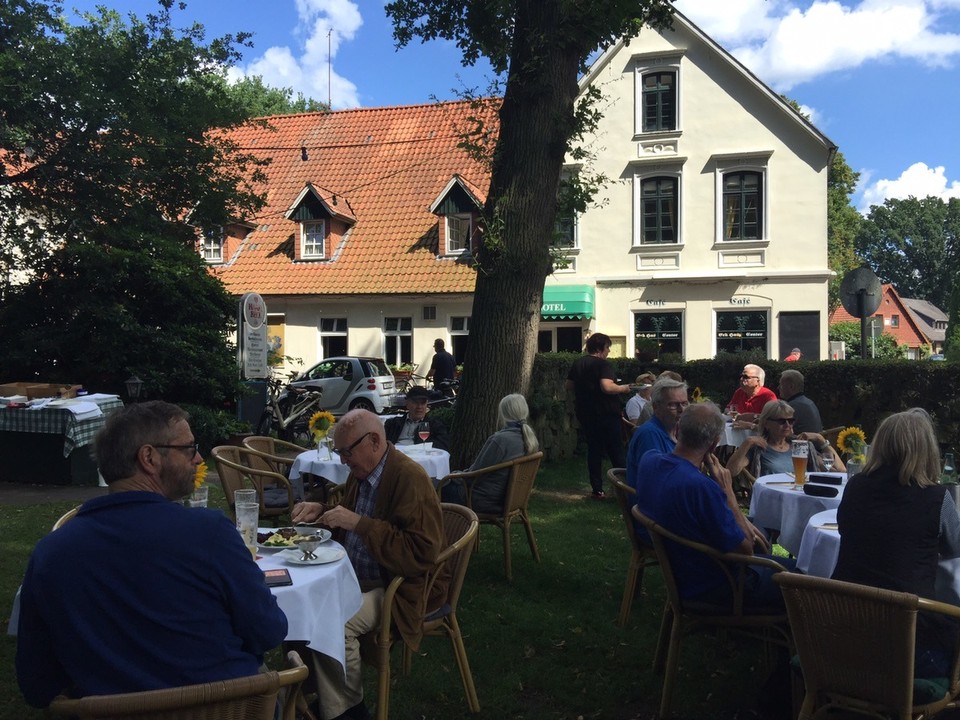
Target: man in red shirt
x,y
751,396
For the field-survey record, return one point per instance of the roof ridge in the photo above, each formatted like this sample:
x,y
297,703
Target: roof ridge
x,y
375,108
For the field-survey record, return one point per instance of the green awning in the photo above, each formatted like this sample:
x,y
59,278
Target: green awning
x,y
572,302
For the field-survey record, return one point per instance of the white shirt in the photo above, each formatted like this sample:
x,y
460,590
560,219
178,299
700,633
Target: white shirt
x,y
634,406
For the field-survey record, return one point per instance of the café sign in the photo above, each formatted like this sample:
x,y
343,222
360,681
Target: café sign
x,y
252,332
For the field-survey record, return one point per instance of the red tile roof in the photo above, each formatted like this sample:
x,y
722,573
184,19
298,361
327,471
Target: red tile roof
x,y
384,167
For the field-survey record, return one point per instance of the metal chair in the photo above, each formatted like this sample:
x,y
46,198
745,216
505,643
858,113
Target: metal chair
x,y
856,649
460,526
641,555
246,698
65,518
523,473
680,617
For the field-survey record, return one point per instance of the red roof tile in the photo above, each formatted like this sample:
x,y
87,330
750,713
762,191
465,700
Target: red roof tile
x,y
385,166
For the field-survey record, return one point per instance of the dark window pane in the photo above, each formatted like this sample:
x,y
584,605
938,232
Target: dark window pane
x,y
666,329
739,331
569,339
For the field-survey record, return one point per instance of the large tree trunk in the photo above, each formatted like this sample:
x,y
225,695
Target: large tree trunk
x,y
514,258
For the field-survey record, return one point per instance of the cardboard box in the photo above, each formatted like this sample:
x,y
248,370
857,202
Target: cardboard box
x,y
17,388
35,390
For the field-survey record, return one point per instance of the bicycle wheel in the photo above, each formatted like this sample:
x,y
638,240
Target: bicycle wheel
x,y
266,423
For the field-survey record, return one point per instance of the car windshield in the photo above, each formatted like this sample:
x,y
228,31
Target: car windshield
x,y
377,368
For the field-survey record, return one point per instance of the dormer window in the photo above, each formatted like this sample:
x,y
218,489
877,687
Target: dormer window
x,y
312,236
459,232
211,245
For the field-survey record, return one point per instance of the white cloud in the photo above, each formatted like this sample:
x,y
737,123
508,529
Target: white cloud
x,y
918,180
787,44
328,23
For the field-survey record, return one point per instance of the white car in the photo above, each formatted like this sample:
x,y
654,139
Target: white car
x,y
349,383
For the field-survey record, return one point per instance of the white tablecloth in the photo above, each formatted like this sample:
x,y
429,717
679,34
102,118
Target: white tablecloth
x,y
319,603
435,462
776,504
734,437
820,549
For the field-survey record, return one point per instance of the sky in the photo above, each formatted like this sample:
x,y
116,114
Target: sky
x,y
880,78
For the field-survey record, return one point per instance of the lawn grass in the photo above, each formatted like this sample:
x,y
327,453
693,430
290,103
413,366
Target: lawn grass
x,y
544,646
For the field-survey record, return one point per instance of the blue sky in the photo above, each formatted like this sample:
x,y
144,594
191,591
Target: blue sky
x,y
879,77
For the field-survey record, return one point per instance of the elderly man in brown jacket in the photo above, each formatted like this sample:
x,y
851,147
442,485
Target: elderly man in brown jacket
x,y
391,524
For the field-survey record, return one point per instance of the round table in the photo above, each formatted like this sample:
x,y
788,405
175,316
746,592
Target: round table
x,y
778,505
820,548
735,437
319,602
435,462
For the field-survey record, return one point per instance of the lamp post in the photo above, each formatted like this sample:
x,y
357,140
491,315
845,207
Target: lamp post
x,y
134,386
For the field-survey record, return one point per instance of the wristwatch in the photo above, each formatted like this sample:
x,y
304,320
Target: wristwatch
x,y
826,444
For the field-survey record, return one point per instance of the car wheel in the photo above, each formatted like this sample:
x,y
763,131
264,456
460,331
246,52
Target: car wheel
x,y
362,404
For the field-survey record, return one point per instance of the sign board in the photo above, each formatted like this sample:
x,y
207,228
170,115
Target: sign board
x,y
253,337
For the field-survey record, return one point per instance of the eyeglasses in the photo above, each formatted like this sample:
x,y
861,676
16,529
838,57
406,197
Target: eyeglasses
x,y
677,405
782,421
748,377
347,452
192,449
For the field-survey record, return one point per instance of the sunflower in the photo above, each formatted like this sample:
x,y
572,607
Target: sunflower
x,y
852,441
697,396
320,424
200,475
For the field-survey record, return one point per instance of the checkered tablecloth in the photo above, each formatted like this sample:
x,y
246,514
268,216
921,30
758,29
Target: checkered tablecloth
x,y
58,421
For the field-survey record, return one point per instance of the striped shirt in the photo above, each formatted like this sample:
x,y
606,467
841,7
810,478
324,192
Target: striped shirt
x,y
363,563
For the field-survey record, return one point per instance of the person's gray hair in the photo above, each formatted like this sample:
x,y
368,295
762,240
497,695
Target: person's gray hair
x,y
907,442
761,373
700,426
664,385
793,378
513,409
129,429
778,408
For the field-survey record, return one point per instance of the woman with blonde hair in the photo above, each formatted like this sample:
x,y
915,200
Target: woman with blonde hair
x,y
514,438
895,523
770,450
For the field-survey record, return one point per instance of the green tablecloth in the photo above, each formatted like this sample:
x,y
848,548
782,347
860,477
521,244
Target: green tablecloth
x,y
59,421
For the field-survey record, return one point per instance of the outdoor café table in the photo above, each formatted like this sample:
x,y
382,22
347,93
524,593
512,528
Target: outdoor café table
x,y
734,437
319,602
820,548
436,462
776,504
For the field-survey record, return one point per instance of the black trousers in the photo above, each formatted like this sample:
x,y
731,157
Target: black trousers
x,y
603,438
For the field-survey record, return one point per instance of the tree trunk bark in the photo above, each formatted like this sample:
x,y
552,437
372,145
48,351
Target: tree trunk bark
x,y
513,259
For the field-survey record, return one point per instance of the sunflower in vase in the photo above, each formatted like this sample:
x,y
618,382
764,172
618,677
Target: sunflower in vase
x,y
852,441
199,476
321,422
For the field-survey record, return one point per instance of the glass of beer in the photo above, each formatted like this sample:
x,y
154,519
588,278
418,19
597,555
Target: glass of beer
x,y
800,450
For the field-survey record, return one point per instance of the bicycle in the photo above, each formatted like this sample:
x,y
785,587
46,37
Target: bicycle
x,y
288,412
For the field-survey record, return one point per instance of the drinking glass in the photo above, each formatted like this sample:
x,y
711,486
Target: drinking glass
x,y
245,496
800,450
423,431
828,461
248,518
199,497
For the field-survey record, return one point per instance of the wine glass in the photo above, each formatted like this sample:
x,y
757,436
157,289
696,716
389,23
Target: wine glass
x,y
423,431
828,461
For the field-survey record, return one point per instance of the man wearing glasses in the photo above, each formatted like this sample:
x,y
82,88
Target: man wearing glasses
x,y
668,399
390,524
138,592
751,396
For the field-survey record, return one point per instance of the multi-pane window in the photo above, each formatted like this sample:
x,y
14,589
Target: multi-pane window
x,y
658,196
657,333
458,233
398,340
659,101
459,337
565,232
741,330
311,239
743,205
211,246
333,336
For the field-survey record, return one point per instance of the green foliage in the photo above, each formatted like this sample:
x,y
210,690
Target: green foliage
x,y
886,346
261,100
914,244
213,427
843,224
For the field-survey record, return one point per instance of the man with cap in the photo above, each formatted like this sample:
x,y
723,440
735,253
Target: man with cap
x,y
404,430
636,404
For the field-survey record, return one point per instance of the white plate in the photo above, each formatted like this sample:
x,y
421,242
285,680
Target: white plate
x,y
325,554
324,536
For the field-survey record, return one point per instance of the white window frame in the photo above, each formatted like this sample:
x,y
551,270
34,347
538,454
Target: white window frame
x,y
308,240
638,180
339,328
458,218
211,245
652,64
746,162
395,328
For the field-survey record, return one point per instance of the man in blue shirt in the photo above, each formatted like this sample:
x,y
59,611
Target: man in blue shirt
x,y
702,508
137,592
668,398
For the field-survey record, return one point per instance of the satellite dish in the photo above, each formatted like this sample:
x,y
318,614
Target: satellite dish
x,y
860,292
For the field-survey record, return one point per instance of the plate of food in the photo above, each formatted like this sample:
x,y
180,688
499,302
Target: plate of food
x,y
270,539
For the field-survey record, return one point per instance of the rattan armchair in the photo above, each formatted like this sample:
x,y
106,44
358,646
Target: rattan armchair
x,y
642,554
65,518
460,526
246,698
856,649
272,454
523,473
681,617
235,471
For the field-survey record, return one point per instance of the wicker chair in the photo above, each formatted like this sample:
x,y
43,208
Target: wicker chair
x,y
271,454
523,473
246,698
641,554
856,649
235,471
460,526
65,518
680,617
